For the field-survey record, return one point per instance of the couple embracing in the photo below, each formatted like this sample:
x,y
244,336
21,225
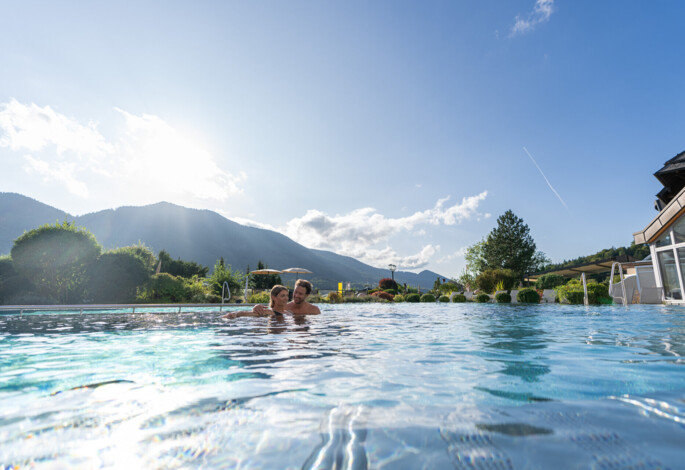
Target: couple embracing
x,y
279,304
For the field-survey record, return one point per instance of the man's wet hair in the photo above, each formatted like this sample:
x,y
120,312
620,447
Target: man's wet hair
x,y
304,283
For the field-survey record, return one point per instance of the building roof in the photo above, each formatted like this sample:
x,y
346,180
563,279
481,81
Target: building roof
x,y
594,267
672,176
661,222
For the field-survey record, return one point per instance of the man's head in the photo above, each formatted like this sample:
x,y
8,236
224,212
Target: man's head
x,y
302,290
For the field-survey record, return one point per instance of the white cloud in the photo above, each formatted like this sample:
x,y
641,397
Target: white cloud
x,y
60,171
32,128
360,233
149,161
540,14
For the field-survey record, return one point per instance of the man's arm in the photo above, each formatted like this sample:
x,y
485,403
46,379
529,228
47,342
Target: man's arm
x,y
249,313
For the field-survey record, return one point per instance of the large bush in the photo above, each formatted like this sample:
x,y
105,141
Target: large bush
x,y
383,295
116,276
398,298
459,298
443,298
334,297
573,293
164,288
387,283
427,298
503,298
223,273
482,298
550,281
178,267
488,280
55,258
259,298
528,295
413,297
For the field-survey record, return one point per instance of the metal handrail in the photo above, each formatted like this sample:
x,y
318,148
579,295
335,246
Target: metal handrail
x,y
623,284
225,289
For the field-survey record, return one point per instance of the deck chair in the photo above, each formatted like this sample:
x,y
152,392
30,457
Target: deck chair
x,y
548,296
513,294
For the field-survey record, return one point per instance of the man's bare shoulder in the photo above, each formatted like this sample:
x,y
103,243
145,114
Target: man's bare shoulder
x,y
304,309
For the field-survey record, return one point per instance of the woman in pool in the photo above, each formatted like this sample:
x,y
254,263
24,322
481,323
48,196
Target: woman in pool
x,y
279,299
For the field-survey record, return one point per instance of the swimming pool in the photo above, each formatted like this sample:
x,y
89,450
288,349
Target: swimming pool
x,y
360,386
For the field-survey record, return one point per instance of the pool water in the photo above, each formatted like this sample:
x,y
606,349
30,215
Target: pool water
x,y
361,386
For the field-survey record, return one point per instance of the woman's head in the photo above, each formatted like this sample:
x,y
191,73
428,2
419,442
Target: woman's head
x,y
279,295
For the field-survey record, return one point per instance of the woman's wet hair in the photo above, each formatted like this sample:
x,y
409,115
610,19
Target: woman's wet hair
x,y
275,290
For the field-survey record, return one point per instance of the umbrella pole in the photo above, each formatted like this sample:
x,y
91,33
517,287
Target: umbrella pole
x,y
247,276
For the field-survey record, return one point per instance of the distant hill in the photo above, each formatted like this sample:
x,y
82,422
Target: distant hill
x,y
199,235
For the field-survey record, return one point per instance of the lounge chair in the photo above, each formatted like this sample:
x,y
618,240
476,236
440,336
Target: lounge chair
x,y
548,296
513,294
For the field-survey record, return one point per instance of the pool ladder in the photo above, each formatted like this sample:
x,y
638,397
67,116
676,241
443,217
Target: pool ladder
x,y
623,284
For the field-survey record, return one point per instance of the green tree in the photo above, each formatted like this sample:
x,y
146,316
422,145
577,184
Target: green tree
x,y
177,267
475,259
223,273
12,286
116,276
55,259
510,246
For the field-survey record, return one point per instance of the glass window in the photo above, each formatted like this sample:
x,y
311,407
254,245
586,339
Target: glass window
x,y
665,239
669,275
679,230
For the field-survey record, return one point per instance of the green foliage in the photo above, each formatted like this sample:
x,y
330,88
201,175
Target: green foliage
x,y
573,293
482,298
390,291
449,287
55,259
13,287
116,276
223,273
510,246
427,298
334,297
458,298
259,298
528,295
186,269
164,288
413,297
411,290
503,298
443,298
387,283
264,281
550,281
475,259
488,280
144,253
398,298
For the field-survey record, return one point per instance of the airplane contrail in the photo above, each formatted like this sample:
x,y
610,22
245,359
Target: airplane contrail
x,y
546,180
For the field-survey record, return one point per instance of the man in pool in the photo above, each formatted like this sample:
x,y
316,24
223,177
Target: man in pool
x,y
299,304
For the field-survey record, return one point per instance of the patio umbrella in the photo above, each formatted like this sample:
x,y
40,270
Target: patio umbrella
x,y
266,271
260,271
297,271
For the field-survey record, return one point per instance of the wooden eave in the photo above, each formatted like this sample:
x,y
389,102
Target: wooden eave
x,y
669,214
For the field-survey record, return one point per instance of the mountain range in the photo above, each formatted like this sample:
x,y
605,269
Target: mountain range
x,y
202,236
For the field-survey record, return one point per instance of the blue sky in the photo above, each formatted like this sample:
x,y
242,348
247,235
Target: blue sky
x,y
390,131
